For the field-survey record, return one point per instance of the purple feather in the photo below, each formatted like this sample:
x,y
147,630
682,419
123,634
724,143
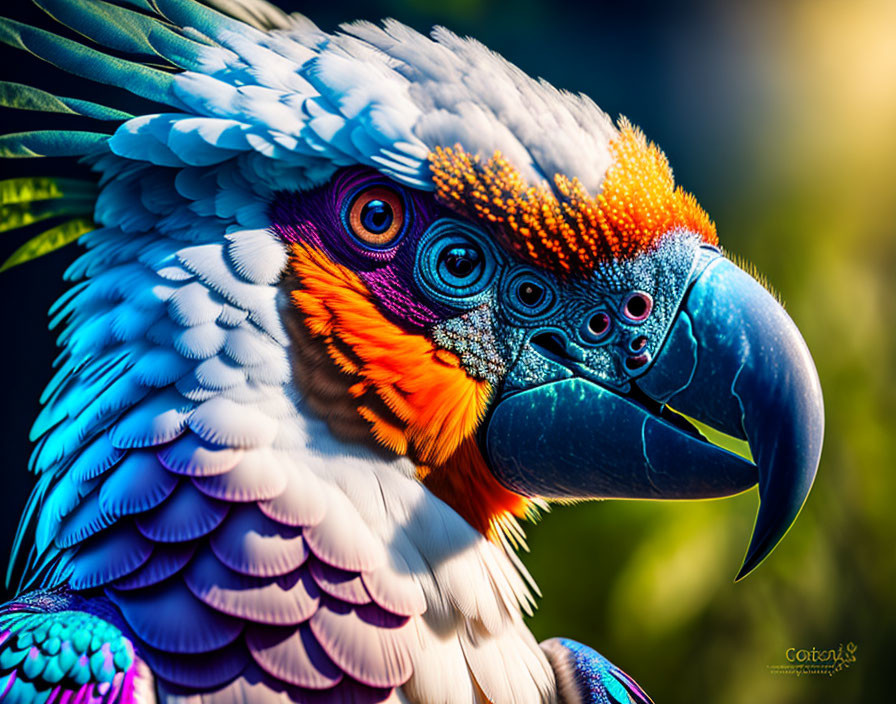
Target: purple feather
x,y
187,515
292,655
259,475
198,671
341,584
193,457
282,601
369,644
165,561
158,615
252,544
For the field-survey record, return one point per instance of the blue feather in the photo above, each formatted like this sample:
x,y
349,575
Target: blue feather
x,y
97,458
129,322
137,484
61,502
159,367
112,554
155,421
34,501
165,561
87,519
186,516
157,616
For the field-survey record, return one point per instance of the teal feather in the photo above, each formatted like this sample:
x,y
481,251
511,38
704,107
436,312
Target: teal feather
x,y
187,13
64,648
22,97
124,30
261,15
614,688
44,483
85,62
51,143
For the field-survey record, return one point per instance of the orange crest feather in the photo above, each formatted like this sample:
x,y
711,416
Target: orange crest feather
x,y
565,229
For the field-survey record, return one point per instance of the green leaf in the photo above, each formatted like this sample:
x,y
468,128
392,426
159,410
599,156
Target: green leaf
x,y
27,189
16,215
49,241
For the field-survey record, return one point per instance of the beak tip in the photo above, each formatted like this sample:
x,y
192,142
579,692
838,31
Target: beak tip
x,y
750,564
756,553
771,527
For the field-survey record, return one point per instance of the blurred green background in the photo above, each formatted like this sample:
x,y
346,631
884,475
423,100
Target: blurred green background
x,y
781,118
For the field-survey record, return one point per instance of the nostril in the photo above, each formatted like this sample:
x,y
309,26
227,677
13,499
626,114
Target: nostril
x,y
637,306
633,363
552,343
638,343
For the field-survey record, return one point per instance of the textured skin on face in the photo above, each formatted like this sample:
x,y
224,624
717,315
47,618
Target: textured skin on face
x,y
563,228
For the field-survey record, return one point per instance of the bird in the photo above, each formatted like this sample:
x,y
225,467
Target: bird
x,y
350,306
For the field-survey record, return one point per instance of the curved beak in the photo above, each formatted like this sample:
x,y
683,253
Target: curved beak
x,y
733,360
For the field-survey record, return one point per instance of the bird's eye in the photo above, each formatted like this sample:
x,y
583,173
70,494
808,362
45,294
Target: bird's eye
x,y
637,306
456,263
376,216
530,293
460,265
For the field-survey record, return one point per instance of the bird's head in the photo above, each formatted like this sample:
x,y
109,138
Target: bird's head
x,y
525,342
477,271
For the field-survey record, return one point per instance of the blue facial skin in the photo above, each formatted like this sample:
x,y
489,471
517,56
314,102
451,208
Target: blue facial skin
x,y
551,329
584,370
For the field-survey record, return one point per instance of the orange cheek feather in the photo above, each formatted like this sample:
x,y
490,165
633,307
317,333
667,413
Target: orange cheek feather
x,y
434,406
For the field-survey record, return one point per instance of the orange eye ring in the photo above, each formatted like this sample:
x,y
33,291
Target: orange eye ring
x,y
376,216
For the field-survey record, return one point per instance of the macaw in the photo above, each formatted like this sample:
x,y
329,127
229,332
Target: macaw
x,y
351,305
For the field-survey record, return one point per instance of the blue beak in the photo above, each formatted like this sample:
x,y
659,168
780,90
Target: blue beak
x,y
733,360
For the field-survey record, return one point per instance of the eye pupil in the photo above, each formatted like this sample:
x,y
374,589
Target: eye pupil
x,y
530,293
377,216
461,261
